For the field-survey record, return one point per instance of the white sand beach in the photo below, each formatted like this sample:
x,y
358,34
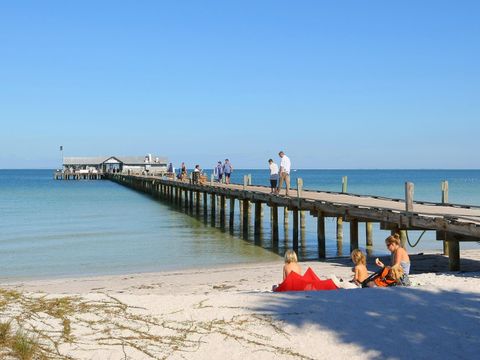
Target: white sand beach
x,y
231,312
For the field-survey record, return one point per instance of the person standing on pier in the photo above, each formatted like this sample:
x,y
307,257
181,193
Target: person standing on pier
x,y
285,166
227,170
273,176
183,171
218,172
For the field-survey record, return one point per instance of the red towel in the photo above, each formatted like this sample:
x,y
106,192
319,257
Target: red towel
x,y
308,282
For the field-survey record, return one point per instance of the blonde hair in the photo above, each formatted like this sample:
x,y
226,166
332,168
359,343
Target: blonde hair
x,y
358,257
290,256
393,239
396,272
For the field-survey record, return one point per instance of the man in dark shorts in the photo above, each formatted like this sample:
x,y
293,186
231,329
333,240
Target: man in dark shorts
x,y
227,170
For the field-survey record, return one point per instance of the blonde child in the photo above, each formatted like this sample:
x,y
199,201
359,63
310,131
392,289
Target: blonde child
x,y
360,269
291,264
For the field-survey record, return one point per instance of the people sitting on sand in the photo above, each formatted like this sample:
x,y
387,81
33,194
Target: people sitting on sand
x,y
293,280
360,272
291,264
399,254
360,269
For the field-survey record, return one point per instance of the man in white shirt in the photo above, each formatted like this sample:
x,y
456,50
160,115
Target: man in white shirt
x,y
284,172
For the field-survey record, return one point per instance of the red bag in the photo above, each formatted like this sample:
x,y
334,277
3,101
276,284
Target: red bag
x,y
308,282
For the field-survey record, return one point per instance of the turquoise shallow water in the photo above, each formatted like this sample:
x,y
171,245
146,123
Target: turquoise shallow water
x,y
75,228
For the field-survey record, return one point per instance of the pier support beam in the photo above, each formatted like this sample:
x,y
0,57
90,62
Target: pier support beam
x,y
302,219
274,210
222,211
231,219
295,230
353,235
403,238
212,208
246,220
369,237
285,215
339,235
258,219
445,201
321,235
191,201
453,254
197,203
205,204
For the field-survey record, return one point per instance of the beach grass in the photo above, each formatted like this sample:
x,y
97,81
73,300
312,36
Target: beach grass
x,y
38,326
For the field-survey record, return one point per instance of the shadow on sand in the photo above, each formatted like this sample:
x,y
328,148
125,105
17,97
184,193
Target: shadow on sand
x,y
394,323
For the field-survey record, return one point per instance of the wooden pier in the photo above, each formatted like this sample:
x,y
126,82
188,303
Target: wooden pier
x,y
78,175
452,223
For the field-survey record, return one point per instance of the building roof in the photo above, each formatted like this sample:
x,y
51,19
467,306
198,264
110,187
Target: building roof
x,y
127,160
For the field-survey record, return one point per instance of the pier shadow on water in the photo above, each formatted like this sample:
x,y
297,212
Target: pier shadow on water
x,y
389,323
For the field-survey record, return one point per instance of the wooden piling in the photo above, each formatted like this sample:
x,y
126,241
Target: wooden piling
x,y
232,214
453,254
258,218
321,235
445,201
274,210
197,203
339,235
353,234
212,208
295,229
222,211
302,220
344,184
245,205
403,238
409,189
191,200
369,237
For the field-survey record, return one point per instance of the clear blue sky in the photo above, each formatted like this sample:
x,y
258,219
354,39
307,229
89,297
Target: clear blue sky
x,y
335,84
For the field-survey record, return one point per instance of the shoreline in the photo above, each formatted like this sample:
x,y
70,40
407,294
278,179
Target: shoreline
x,y
427,261
421,263
230,311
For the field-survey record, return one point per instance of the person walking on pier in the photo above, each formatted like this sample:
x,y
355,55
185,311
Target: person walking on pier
x,y
273,176
285,166
197,172
218,172
183,171
227,170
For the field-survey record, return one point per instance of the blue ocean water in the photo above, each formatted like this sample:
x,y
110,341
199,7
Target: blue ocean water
x,y
75,228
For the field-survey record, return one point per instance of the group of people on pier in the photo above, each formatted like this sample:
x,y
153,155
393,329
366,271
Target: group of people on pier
x,y
223,171
394,275
279,175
